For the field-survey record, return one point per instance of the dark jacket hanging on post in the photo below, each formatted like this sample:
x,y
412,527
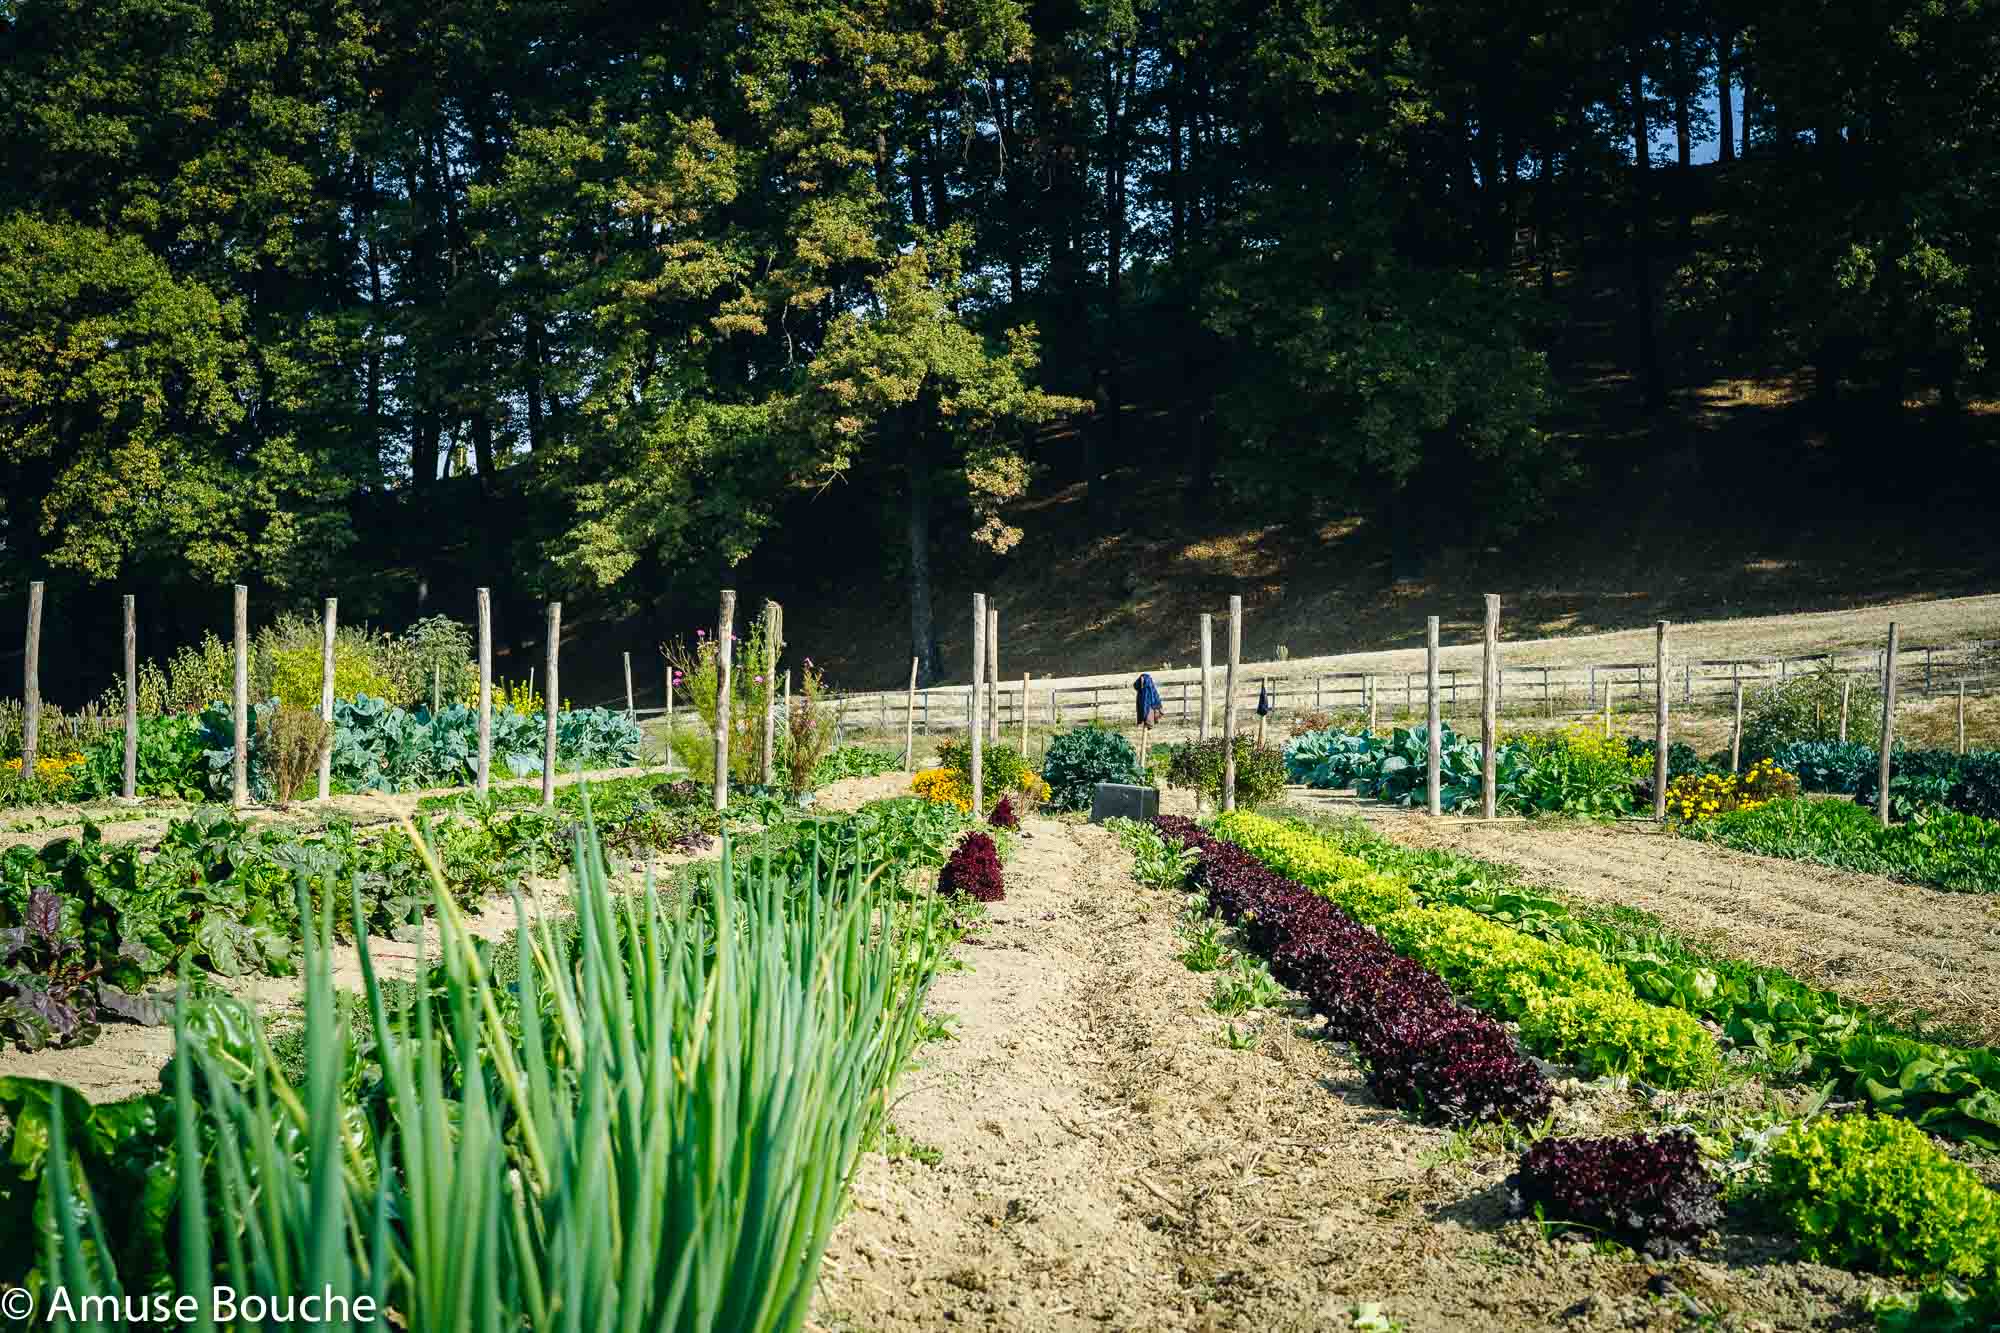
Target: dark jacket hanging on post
x,y
1149,703
1263,701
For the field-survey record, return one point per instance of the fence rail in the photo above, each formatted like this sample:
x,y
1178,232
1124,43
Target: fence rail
x,y
1921,672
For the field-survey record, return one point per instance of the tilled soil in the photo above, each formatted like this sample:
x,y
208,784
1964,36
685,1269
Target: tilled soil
x,y
1910,952
1088,1152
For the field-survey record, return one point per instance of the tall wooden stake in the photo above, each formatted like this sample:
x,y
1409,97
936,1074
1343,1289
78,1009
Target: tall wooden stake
x,y
1261,719
1433,722
975,729
1660,722
31,686
993,674
239,764
910,722
1961,715
551,701
631,705
1372,719
1229,702
770,692
1207,672
130,787
670,716
725,633
1846,688
437,684
485,689
1024,715
1489,714
327,622
1736,734
1888,740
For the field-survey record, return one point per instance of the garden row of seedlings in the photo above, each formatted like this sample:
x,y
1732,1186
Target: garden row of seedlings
x,y
1421,992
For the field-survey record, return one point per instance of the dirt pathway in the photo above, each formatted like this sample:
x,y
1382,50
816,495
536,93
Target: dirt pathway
x,y
1908,951
1090,1153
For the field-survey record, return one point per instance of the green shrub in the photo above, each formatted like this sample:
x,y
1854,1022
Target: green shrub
x,y
435,643
1001,769
1080,759
1197,765
199,675
1807,708
1578,771
1873,1192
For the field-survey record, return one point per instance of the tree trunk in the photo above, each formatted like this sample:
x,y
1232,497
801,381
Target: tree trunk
x,y
923,640
1683,117
1725,112
1650,373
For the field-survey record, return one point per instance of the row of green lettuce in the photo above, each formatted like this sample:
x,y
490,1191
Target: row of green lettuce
x,y
1797,1030
1939,849
643,1115
376,746
1872,1191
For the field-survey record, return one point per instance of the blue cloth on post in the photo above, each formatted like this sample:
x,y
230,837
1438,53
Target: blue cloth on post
x,y
1150,706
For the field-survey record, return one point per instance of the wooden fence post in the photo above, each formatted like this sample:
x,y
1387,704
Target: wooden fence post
x,y
31,687
1961,715
1660,723
631,706
1489,718
239,764
993,674
1888,740
1608,682
130,787
725,634
1260,717
1433,722
328,625
670,716
437,682
1736,734
1024,716
1846,687
1207,672
486,690
910,722
770,739
1229,702
1371,702
974,730
551,701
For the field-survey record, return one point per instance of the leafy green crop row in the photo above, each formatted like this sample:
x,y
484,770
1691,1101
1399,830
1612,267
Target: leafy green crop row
x,y
86,926
1575,771
1800,1030
647,1121
1918,779
1570,1003
1938,848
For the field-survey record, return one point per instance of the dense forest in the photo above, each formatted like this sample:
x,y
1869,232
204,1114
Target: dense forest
x,y
595,300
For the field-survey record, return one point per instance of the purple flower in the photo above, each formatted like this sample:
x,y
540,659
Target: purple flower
x,y
701,634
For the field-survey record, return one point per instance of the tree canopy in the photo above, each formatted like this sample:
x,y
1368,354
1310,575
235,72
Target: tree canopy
x,y
612,289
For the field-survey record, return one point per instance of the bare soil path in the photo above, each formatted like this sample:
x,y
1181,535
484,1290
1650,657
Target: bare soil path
x,y
1910,952
1089,1152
